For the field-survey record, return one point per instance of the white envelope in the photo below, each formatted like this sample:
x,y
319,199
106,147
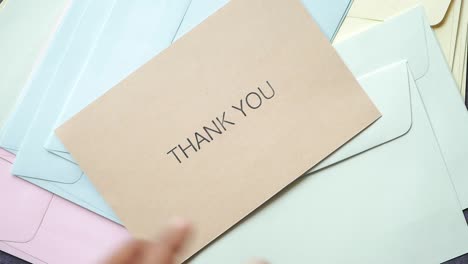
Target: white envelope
x,y
409,37
385,197
444,16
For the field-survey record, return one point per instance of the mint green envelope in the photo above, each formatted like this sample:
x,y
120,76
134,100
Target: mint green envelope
x,y
17,125
410,37
25,28
385,197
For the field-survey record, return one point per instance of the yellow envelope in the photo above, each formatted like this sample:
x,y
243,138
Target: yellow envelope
x,y
444,16
221,121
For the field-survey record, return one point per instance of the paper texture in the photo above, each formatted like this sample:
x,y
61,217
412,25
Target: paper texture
x,y
281,76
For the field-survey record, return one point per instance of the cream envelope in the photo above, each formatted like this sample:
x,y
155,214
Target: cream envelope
x,y
383,9
443,14
245,54
385,197
460,48
448,30
463,91
25,28
409,37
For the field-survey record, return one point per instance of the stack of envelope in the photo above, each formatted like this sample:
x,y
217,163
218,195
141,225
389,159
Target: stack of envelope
x,y
356,155
448,18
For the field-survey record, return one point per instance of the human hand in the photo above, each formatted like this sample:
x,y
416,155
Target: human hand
x,y
164,250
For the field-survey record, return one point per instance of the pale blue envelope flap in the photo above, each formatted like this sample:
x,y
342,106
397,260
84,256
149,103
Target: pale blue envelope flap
x,y
15,129
415,52
394,105
32,161
143,29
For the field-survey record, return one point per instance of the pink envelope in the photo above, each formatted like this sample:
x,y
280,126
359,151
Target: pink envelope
x,y
40,227
6,155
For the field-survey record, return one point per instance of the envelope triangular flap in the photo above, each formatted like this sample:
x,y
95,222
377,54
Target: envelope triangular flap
x,y
22,206
389,89
411,32
382,9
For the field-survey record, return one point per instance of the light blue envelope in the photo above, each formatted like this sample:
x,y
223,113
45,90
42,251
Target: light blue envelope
x,y
25,29
386,197
17,125
409,37
31,163
328,14
108,30
122,49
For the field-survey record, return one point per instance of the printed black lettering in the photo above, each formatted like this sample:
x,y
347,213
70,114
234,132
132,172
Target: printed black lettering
x,y
187,148
241,108
272,90
250,96
208,130
173,153
221,122
199,138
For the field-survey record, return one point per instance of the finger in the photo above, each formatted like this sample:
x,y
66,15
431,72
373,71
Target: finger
x,y
157,254
130,252
171,240
175,235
